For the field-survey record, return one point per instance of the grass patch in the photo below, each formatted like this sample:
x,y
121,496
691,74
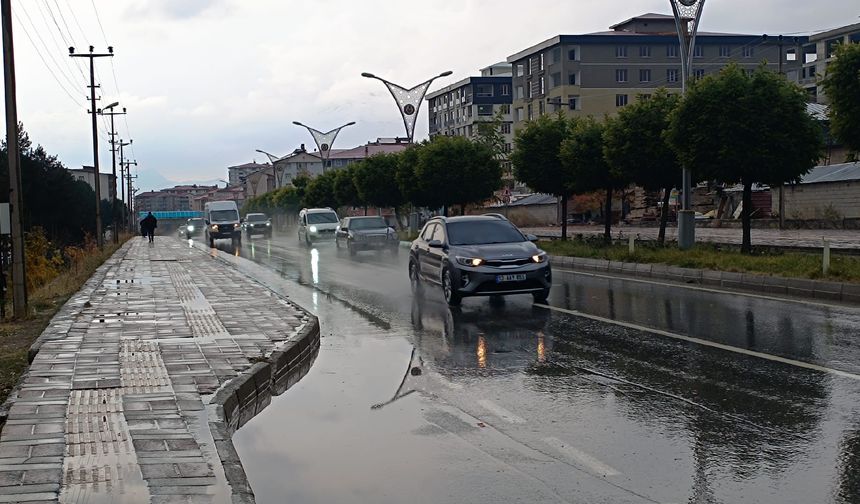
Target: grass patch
x,y
704,256
16,335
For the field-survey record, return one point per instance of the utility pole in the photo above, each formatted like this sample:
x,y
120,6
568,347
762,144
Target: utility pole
x,y
92,56
112,133
121,165
16,200
131,206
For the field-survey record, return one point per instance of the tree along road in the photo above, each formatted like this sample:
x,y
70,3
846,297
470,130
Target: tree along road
x,y
734,398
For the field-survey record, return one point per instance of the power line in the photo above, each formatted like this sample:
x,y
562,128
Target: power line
x,y
41,57
99,21
49,51
60,47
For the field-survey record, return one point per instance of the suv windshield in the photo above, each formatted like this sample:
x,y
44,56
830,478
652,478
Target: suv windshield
x,y
479,232
372,223
256,217
223,215
322,218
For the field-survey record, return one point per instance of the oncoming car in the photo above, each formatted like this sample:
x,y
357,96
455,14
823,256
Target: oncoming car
x,y
194,227
366,233
478,256
317,224
257,223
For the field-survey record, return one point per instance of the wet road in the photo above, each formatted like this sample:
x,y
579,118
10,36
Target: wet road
x,y
737,399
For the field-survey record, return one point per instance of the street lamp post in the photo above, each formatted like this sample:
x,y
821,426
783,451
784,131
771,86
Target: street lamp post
x,y
272,159
687,16
408,100
110,112
324,141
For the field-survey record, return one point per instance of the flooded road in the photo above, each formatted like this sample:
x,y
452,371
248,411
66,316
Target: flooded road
x,y
737,399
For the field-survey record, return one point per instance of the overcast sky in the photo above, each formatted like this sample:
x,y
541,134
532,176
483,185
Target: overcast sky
x,y
206,82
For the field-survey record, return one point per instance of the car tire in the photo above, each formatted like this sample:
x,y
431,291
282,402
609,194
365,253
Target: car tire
x,y
541,296
211,242
415,278
451,296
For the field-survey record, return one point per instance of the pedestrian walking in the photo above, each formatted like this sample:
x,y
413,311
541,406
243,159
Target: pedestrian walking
x,y
148,225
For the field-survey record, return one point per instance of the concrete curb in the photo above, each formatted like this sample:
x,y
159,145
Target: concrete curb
x,y
763,284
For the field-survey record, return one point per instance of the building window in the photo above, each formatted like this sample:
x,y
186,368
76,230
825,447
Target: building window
x,y
529,66
620,100
505,108
698,52
540,62
672,75
485,110
506,89
644,51
621,51
621,75
571,54
671,51
519,93
573,102
530,112
485,90
541,108
699,73
507,146
556,55
830,47
542,85
725,51
506,128
529,87
645,75
519,114
520,69
571,79
555,80
748,52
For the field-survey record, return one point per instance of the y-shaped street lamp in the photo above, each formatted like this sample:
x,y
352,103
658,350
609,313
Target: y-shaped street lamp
x,y
272,159
687,16
408,100
324,141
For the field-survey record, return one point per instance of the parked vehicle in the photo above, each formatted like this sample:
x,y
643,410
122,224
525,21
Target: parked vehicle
x,y
222,221
257,223
478,256
317,224
194,227
366,233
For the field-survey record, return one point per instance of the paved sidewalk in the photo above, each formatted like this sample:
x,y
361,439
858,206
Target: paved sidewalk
x,y
112,409
805,238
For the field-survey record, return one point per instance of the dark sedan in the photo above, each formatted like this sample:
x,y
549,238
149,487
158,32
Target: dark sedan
x,y
478,256
366,233
257,223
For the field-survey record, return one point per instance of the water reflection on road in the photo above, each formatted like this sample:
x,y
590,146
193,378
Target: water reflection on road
x,y
519,403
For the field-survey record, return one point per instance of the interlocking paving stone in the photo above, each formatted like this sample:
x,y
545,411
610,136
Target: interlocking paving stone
x,y
111,409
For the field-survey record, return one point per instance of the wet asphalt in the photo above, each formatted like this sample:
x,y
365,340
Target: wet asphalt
x,y
737,398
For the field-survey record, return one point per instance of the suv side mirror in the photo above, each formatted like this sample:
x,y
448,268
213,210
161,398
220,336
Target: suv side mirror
x,y
434,244
532,238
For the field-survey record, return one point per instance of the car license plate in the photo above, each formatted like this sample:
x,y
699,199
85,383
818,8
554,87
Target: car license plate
x,y
519,277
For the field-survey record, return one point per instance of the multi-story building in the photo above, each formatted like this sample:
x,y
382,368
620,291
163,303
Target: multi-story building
x,y
456,109
161,201
817,53
598,73
235,174
344,157
85,174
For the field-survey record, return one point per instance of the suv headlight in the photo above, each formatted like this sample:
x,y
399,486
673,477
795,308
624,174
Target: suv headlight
x,y
214,227
540,257
470,261
237,226
312,229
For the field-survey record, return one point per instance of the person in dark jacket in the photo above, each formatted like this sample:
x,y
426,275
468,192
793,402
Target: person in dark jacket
x,y
148,225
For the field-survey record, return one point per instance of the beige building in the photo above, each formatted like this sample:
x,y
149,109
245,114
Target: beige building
x,y
817,54
829,192
598,73
85,174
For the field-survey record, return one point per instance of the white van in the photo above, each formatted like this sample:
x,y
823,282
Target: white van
x,y
317,224
222,221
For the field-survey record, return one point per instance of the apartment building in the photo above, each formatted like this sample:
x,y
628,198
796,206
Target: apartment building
x,y
236,174
817,53
456,109
598,73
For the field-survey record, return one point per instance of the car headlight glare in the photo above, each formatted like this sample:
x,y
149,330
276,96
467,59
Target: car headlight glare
x,y
312,229
190,228
539,258
214,227
268,224
470,261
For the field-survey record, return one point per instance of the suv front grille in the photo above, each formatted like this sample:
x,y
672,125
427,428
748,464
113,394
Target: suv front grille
x,y
501,263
